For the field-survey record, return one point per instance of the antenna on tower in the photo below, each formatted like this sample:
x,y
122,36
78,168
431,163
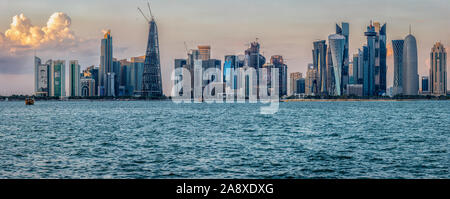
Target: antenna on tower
x,y
409,28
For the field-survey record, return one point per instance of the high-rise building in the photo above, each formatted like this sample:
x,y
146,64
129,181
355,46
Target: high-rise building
x,y
344,30
116,71
425,85
438,70
370,54
58,78
152,83
41,77
311,81
106,64
278,62
301,86
74,79
397,46
87,87
320,64
410,75
380,59
293,82
204,52
231,64
337,45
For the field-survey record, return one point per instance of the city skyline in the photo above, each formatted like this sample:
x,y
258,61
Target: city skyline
x,y
294,42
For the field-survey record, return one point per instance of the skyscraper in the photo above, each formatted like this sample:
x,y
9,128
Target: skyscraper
x,y
397,46
369,88
152,85
74,78
320,64
311,80
344,30
41,77
425,85
293,82
410,75
58,78
106,64
204,52
438,70
278,62
337,45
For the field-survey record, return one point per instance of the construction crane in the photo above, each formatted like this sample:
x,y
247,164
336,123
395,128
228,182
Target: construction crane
x,y
150,12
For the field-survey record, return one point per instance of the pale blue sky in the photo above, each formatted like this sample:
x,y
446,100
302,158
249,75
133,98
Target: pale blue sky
x,y
286,27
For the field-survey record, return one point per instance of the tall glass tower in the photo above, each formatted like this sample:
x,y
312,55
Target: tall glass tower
x,y
151,80
398,66
438,70
410,66
337,46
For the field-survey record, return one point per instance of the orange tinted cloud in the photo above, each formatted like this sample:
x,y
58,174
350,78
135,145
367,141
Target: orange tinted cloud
x,y
23,32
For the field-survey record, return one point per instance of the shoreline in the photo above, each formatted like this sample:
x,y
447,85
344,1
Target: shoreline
x,y
359,100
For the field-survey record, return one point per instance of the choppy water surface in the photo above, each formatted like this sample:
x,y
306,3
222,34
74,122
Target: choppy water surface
x,y
166,140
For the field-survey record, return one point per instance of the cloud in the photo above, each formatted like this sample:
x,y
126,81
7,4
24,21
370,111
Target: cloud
x,y
23,33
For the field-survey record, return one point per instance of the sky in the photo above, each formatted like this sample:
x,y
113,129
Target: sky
x,y
72,30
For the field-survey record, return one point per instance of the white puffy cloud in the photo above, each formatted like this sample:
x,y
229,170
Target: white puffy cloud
x,y
22,32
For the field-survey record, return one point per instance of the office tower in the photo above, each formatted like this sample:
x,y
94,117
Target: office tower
x,y
87,87
360,78
438,70
74,78
311,80
41,77
344,30
278,62
320,64
204,52
293,82
337,45
106,62
301,85
380,58
369,83
208,64
152,85
136,75
397,46
125,88
116,71
58,78
425,85
410,75
355,69
229,78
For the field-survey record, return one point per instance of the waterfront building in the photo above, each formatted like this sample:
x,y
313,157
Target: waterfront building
x,y
397,46
410,76
311,81
278,62
41,77
355,89
300,86
58,78
337,46
204,52
425,85
320,64
87,87
116,71
106,64
438,70
293,82
344,30
152,83
369,54
380,59
74,79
